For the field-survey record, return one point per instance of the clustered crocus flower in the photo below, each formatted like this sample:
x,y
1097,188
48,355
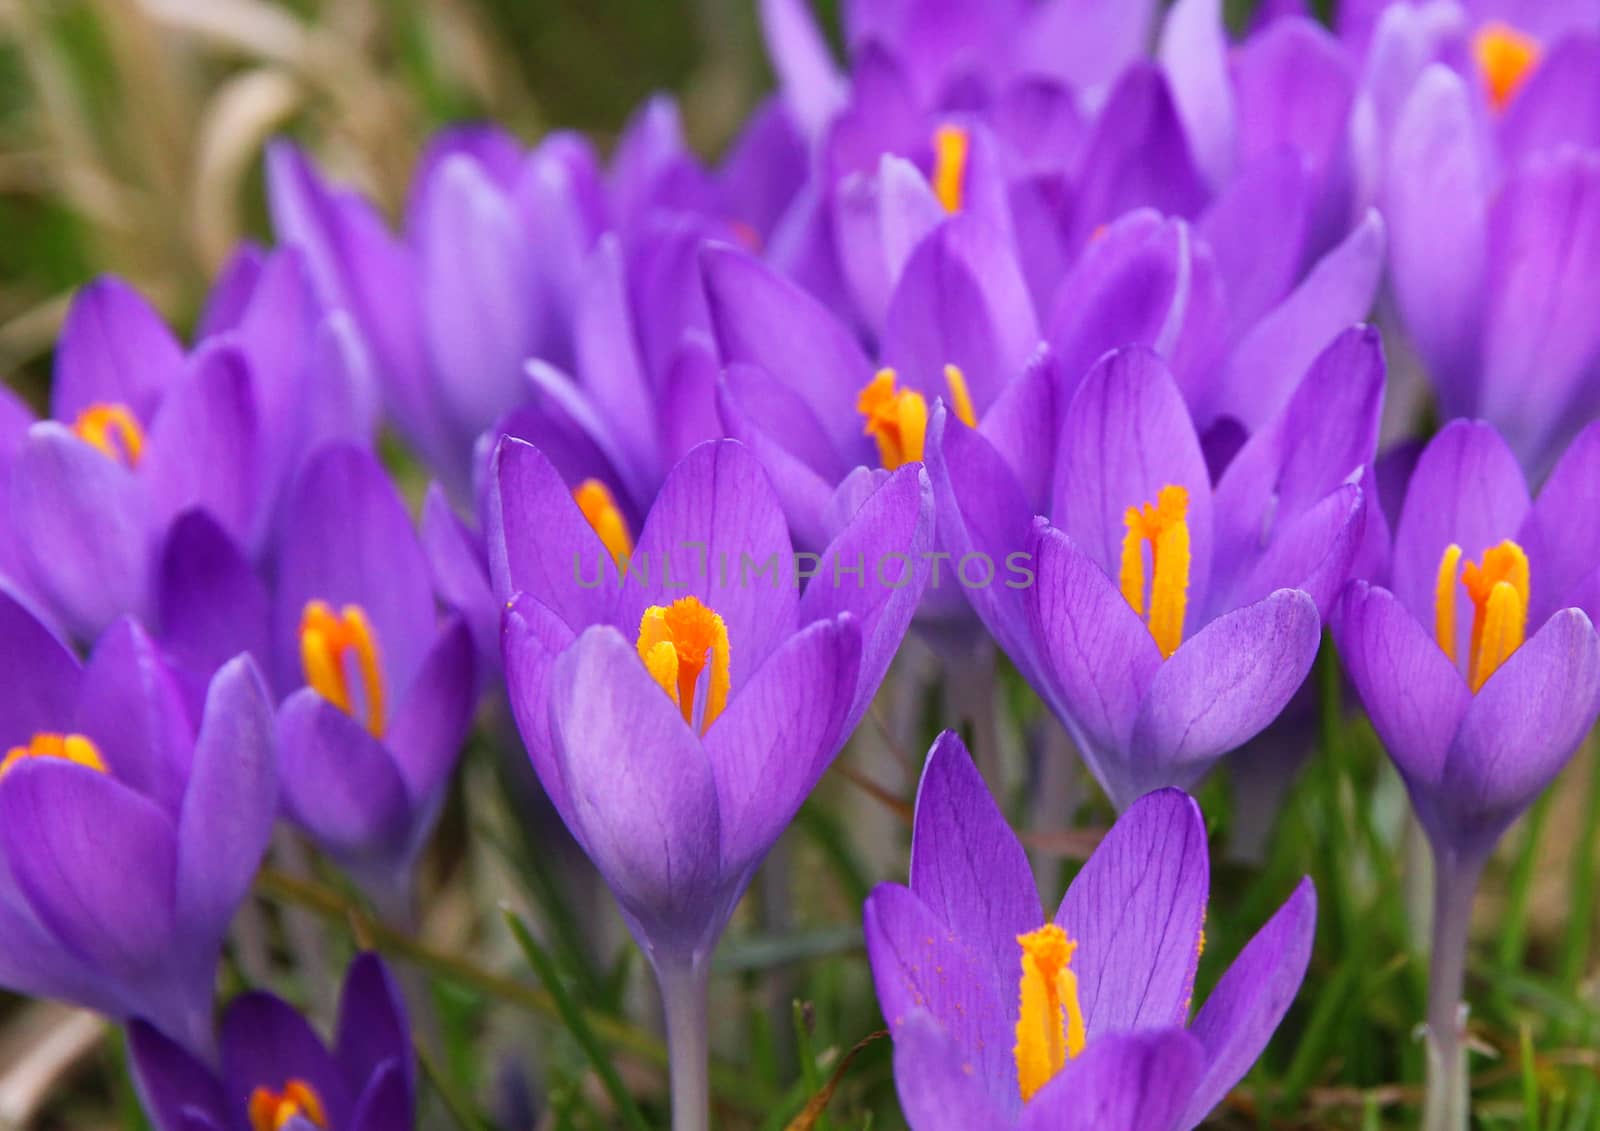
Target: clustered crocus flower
x,y
1050,323
1005,1018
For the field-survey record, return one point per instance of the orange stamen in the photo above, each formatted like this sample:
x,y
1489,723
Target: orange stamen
x,y
74,748
1506,57
272,1111
1050,1026
677,643
326,640
951,147
599,506
1165,526
114,430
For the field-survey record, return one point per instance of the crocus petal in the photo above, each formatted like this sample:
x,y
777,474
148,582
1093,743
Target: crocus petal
x,y
134,711
920,967
883,546
114,350
778,735
1326,432
210,602
266,1043
641,790
373,1030
1241,1014
82,529
532,637
387,1101
460,572
1098,657
933,1077
1272,194
1023,423
967,865
961,301
1553,107
1129,287
762,319
171,1083
687,403
1563,552
608,355
1293,83
983,510
231,803
1137,155
812,85
1523,725
1412,692
1127,434
39,672
432,719
351,541
1194,54
1436,196
1122,1082
338,782
1542,227
779,427
1136,911
96,862
1269,361
1312,552
1085,43
1466,490
716,512
539,542
1224,685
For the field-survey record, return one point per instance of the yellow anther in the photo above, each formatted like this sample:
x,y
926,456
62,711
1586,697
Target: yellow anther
x,y
677,643
896,419
951,146
1050,1026
599,506
1499,591
114,430
272,1111
1165,526
73,748
960,399
1444,601
328,641
1506,57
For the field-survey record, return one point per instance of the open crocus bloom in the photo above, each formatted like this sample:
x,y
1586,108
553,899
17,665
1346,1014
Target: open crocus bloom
x,y
1481,670
1002,1018
680,712
128,837
277,1075
379,690
1167,621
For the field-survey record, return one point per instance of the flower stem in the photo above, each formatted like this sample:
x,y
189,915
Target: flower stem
x,y
683,999
1455,882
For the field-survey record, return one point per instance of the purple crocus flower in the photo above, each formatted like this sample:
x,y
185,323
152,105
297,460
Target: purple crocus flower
x,y
1484,155
143,436
128,835
379,691
1480,672
509,255
1163,619
275,1074
678,712
1002,1018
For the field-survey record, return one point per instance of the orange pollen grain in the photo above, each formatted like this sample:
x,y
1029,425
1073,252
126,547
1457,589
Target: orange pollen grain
x,y
1506,57
599,507
681,642
328,641
1164,525
114,430
74,748
271,1111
